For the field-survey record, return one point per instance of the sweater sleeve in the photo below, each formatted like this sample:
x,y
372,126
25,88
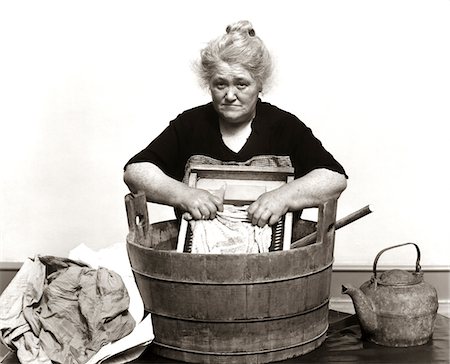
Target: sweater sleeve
x,y
309,153
163,151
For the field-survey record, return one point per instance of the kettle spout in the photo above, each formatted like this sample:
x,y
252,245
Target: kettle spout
x,y
363,307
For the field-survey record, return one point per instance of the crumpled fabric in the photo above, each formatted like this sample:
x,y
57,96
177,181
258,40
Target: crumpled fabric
x,y
63,311
15,332
229,233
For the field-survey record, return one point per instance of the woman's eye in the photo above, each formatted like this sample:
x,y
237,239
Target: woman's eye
x,y
220,86
242,86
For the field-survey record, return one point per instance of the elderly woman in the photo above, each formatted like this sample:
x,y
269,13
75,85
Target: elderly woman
x,y
236,126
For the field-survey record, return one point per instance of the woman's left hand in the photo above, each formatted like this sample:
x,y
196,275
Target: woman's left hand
x,y
268,208
311,190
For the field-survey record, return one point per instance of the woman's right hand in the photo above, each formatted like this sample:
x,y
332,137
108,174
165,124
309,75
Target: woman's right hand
x,y
200,204
159,188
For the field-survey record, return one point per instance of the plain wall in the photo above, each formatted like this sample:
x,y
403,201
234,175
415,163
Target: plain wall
x,y
85,85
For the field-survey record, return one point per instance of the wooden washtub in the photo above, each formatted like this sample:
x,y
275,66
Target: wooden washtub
x,y
232,308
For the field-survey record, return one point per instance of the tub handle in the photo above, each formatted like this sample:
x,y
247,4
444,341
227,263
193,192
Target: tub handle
x,y
138,223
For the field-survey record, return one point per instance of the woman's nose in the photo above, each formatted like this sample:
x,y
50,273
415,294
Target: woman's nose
x,y
230,94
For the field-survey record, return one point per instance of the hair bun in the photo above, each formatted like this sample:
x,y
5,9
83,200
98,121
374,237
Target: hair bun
x,y
242,26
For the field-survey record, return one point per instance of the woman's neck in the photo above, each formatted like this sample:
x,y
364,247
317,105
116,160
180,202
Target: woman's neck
x,y
235,135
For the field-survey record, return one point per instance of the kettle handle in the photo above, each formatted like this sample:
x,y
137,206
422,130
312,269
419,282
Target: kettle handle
x,y
396,246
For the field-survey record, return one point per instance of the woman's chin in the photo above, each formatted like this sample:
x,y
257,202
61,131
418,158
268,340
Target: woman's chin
x,y
234,118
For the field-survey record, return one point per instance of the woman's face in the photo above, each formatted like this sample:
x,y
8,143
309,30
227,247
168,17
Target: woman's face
x,y
234,93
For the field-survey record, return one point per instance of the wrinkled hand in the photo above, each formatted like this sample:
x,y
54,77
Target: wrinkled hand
x,y
202,204
268,208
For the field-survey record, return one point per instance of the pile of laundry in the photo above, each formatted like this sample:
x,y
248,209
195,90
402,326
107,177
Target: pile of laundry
x,y
61,310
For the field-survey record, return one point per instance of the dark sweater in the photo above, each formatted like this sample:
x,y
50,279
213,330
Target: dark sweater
x,y
274,132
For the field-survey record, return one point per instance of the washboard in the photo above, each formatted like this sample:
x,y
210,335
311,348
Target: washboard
x,y
244,184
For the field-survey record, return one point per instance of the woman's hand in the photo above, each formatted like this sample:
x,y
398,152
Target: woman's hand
x,y
268,208
311,190
200,204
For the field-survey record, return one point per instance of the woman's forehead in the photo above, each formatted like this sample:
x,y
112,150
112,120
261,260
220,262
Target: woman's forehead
x,y
231,71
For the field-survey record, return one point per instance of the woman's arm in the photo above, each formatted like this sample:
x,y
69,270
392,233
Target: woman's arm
x,y
311,190
160,188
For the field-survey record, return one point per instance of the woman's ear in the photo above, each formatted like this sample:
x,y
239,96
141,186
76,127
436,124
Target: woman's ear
x,y
260,87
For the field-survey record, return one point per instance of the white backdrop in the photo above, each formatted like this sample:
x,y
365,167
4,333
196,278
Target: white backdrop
x,y
85,85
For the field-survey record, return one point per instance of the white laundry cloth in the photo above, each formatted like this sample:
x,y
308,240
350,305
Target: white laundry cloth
x,y
229,233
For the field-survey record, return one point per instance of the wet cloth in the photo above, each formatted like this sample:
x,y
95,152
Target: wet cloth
x,y
229,233
60,310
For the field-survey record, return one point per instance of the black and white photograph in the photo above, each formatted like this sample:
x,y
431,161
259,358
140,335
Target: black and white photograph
x,y
236,182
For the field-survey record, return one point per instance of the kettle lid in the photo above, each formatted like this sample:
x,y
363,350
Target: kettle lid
x,y
398,277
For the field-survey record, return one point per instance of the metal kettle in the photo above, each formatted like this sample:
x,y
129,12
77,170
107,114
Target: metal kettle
x,y
397,307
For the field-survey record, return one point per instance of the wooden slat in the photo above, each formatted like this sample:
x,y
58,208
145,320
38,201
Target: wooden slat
x,y
242,172
288,221
184,224
326,226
